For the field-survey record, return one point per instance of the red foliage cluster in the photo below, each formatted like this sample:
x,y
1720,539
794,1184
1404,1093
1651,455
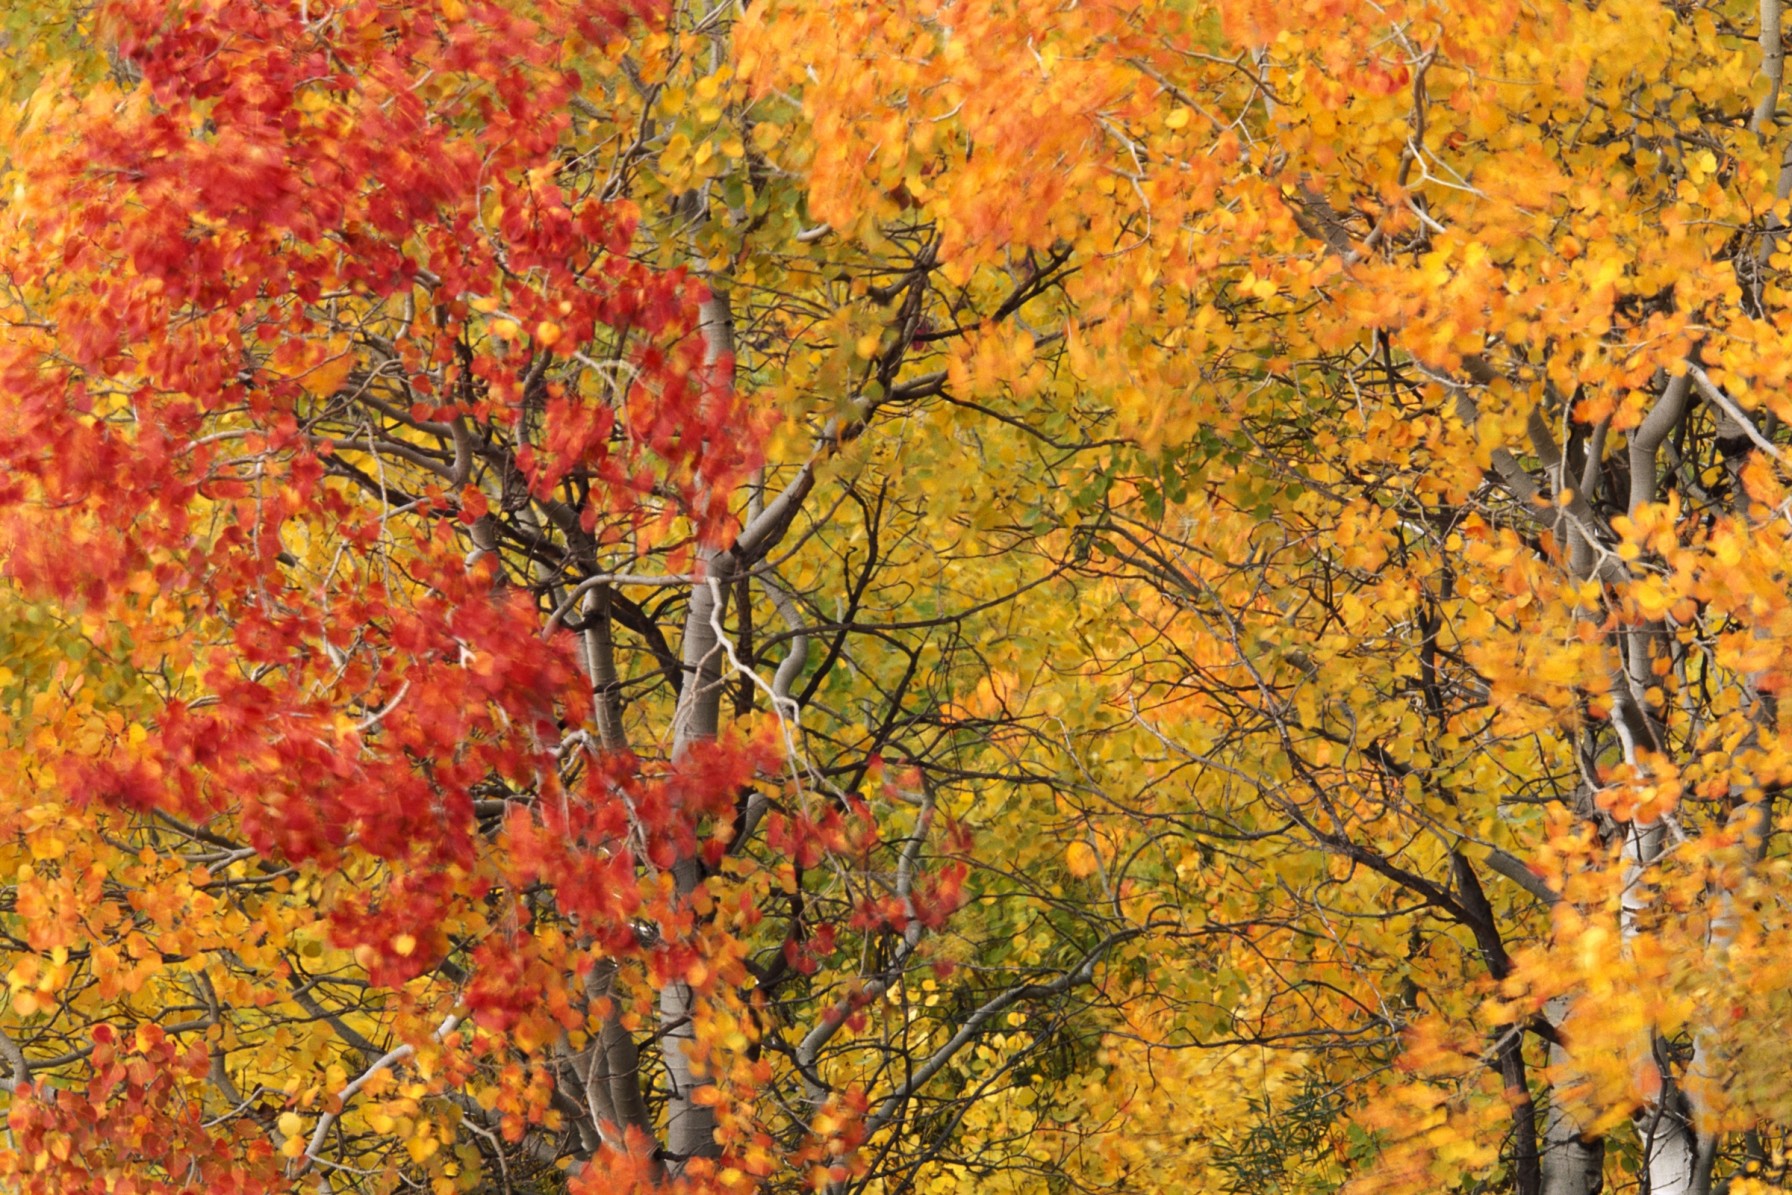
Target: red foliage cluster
x,y
189,250
131,1119
205,261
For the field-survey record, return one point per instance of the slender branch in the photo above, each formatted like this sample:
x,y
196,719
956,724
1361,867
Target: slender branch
x,y
988,1010
384,1062
1709,390
1513,868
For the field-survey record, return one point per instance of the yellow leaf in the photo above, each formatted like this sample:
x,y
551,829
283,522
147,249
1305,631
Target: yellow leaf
x,y
328,377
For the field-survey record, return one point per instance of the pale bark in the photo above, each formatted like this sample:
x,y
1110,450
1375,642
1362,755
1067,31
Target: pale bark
x,y
1647,439
386,1061
1773,67
1513,868
599,657
1671,1148
1573,1163
691,1125
612,1070
16,1062
797,658
1569,1162
808,1052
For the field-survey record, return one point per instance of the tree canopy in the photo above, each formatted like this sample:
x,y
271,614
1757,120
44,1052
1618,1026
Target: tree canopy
x,y
883,598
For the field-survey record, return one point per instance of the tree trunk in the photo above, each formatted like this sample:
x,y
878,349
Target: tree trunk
x,y
691,1125
1572,1163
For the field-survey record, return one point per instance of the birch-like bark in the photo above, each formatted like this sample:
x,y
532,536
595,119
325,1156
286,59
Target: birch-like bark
x,y
600,668
1773,68
1679,1160
609,1069
1671,1149
1670,1145
1573,1163
1763,122
690,1124
612,1075
17,1064
1570,1162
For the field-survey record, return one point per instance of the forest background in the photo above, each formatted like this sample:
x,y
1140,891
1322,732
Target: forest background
x,y
964,595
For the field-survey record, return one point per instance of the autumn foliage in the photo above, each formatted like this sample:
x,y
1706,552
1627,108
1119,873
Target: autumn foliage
x,y
869,597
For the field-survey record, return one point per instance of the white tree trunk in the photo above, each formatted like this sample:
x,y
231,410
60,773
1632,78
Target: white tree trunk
x,y
690,1125
1571,1164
